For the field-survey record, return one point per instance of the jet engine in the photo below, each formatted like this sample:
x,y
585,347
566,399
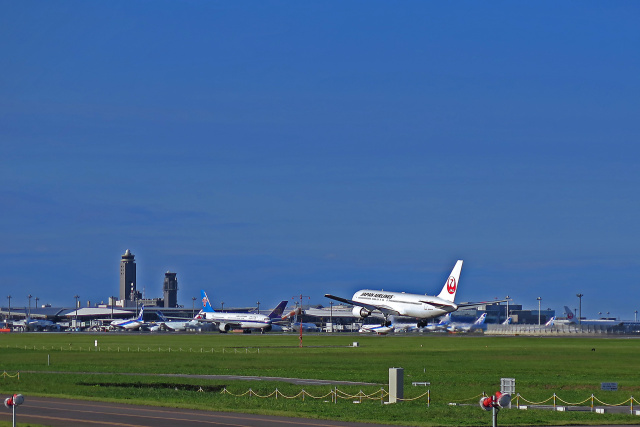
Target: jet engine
x,y
224,327
361,312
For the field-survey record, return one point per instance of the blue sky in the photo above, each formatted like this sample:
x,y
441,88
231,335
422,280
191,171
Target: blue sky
x,y
267,149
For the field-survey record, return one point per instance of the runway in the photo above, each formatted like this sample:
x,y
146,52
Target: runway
x,y
55,412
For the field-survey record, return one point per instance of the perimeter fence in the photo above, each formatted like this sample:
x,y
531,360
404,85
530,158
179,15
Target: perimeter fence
x,y
334,395
6,374
129,349
591,401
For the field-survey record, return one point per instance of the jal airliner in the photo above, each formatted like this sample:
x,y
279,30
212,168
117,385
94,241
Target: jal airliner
x,y
422,307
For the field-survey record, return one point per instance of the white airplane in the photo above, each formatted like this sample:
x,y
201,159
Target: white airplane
x,y
572,319
467,327
175,325
130,324
306,327
395,326
507,321
422,307
376,329
31,324
226,321
440,326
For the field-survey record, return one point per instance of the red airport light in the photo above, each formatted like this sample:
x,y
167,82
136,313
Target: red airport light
x,y
486,403
15,400
12,402
498,401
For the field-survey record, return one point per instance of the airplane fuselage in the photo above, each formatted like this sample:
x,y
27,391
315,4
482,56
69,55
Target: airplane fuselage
x,y
404,304
127,324
241,320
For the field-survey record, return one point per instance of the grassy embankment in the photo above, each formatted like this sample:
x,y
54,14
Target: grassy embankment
x,y
459,369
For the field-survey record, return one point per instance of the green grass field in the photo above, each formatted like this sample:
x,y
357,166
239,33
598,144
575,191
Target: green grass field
x,y
459,368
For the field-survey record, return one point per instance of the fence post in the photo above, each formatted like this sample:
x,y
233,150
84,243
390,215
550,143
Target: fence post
x,y
591,402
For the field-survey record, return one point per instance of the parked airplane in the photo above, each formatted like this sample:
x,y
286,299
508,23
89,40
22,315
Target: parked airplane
x,y
422,307
404,327
377,329
508,321
593,322
226,321
175,325
467,327
31,324
130,324
440,326
306,327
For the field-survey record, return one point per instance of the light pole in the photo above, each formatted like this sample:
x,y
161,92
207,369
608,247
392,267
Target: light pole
x,y
539,299
76,297
258,306
37,299
635,312
9,298
507,298
29,296
193,308
580,307
221,305
113,300
331,315
300,323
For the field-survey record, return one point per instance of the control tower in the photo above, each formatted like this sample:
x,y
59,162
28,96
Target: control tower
x,y
127,276
170,289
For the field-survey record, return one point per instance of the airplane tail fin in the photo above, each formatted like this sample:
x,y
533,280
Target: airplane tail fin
x,y
161,316
445,320
551,321
569,313
450,288
206,305
507,321
139,318
480,320
277,312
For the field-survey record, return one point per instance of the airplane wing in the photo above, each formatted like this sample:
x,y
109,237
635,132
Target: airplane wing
x,y
439,305
473,304
370,307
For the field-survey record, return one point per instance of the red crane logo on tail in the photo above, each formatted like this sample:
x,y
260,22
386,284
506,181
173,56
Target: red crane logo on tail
x,y
451,285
